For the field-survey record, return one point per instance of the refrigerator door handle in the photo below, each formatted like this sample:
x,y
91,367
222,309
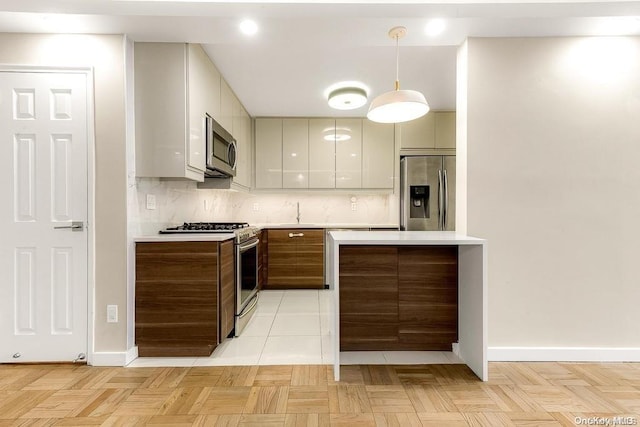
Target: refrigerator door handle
x,y
445,217
404,205
440,200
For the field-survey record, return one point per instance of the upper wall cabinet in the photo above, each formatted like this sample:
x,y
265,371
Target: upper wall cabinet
x,y
226,107
348,139
268,153
241,131
295,153
435,130
174,88
378,155
324,154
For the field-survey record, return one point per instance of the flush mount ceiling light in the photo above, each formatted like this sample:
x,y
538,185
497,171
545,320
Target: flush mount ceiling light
x,y
398,106
347,98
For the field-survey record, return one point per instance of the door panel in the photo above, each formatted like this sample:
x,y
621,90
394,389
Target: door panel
x,y
423,172
43,170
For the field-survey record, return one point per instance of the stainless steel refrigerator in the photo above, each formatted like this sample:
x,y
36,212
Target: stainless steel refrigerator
x,y
428,193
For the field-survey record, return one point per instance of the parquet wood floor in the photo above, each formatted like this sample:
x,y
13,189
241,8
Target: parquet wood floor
x,y
519,394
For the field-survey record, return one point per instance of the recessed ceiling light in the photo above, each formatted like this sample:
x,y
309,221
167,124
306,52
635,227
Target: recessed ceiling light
x,y
435,27
248,27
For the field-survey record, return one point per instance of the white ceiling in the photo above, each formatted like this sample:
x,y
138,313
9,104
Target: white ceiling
x,y
302,48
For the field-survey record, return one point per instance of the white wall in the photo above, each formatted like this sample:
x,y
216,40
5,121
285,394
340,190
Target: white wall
x,y
553,151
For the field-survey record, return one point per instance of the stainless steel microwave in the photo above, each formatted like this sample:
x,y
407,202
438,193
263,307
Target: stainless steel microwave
x,y
221,150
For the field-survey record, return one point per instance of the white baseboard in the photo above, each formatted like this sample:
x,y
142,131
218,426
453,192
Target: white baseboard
x,y
563,354
114,358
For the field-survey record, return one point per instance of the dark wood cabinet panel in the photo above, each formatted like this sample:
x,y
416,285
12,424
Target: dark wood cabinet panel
x,y
428,296
398,297
176,298
368,297
227,288
295,259
262,259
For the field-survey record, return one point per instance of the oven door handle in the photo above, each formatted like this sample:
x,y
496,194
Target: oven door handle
x,y
245,246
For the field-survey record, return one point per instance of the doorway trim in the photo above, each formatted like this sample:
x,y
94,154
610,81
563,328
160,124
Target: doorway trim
x,y
90,227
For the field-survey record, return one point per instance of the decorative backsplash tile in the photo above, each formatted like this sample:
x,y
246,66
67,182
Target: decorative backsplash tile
x,y
182,201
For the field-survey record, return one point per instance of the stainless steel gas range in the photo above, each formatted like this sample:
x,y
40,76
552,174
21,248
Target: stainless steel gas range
x,y
246,262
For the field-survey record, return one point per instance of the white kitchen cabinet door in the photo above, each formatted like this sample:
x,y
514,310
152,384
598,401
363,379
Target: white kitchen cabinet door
x,y
198,84
171,99
242,134
211,90
226,106
419,133
322,153
348,139
378,154
268,153
445,129
295,153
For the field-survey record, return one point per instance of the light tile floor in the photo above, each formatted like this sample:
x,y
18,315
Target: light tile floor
x,y
292,327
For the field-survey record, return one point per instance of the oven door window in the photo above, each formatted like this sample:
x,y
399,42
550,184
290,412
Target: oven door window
x,y
248,276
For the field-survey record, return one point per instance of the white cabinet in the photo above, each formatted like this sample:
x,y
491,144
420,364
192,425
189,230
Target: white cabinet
x,y
348,139
268,153
242,134
445,129
295,153
435,130
322,153
171,93
226,107
378,155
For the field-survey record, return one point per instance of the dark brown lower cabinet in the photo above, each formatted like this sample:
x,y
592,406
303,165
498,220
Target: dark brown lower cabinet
x,y
178,285
227,288
398,297
295,259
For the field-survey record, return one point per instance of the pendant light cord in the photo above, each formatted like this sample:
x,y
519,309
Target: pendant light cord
x,y
397,62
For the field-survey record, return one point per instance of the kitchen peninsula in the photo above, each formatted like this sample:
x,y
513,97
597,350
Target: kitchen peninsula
x,y
409,290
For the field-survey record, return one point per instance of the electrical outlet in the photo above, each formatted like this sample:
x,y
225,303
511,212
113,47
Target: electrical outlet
x,y
256,208
112,314
207,205
354,207
151,201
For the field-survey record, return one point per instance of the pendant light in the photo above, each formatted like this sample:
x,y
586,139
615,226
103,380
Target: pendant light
x,y
398,106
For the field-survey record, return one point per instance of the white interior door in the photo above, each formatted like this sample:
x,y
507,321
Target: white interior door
x,y
43,170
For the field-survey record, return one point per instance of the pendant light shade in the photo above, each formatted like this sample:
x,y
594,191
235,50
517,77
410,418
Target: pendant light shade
x,y
398,106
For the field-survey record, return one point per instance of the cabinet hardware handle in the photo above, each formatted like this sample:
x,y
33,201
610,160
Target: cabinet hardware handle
x,y
296,235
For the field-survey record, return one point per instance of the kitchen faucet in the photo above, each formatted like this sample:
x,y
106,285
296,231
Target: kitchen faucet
x,y
298,209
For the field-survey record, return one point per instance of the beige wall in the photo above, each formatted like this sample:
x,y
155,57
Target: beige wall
x,y
553,151
106,55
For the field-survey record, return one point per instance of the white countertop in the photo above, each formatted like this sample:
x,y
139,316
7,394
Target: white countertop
x,y
385,237
186,237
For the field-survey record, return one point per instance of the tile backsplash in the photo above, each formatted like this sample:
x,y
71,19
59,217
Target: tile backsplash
x,y
180,201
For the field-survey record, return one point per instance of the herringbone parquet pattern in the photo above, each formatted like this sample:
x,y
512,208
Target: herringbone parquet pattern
x,y
522,394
